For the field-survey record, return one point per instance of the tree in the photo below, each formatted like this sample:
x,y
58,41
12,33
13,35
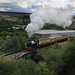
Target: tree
x,y
44,69
28,67
10,45
52,26
7,68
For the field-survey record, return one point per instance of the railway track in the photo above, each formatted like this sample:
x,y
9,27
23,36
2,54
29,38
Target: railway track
x,y
15,56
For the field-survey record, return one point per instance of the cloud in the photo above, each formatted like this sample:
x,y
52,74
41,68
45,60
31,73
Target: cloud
x,y
72,4
32,5
16,4
71,0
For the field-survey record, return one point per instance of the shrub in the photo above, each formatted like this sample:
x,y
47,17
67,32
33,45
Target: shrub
x,y
20,67
10,45
28,67
34,37
13,44
69,58
7,68
50,54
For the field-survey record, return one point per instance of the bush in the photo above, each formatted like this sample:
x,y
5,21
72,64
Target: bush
x,y
24,67
69,58
34,37
44,69
23,41
10,45
52,26
69,53
50,54
7,68
28,67
13,44
20,67
1,40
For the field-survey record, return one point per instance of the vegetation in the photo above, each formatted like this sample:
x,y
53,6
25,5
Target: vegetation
x,y
21,67
34,37
71,28
69,58
56,60
12,39
6,25
52,26
55,27
13,44
60,59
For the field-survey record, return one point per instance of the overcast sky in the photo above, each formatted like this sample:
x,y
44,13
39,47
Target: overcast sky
x,y
32,5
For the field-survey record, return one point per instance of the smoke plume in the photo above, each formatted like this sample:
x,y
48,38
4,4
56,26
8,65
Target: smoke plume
x,y
41,16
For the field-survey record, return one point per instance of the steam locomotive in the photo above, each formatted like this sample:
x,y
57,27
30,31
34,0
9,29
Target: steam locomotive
x,y
36,43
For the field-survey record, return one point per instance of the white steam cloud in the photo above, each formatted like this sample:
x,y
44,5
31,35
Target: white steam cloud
x,y
48,15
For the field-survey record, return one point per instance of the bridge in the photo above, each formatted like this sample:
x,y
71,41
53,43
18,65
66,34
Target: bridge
x,y
18,55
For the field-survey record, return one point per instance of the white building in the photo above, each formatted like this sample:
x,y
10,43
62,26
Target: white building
x,y
48,33
18,26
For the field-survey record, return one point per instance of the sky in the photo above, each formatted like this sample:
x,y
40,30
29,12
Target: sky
x,y
32,5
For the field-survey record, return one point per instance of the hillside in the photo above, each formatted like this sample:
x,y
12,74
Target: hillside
x,y
14,16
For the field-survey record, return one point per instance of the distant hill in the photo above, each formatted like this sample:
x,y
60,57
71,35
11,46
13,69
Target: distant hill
x,y
14,16
14,13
